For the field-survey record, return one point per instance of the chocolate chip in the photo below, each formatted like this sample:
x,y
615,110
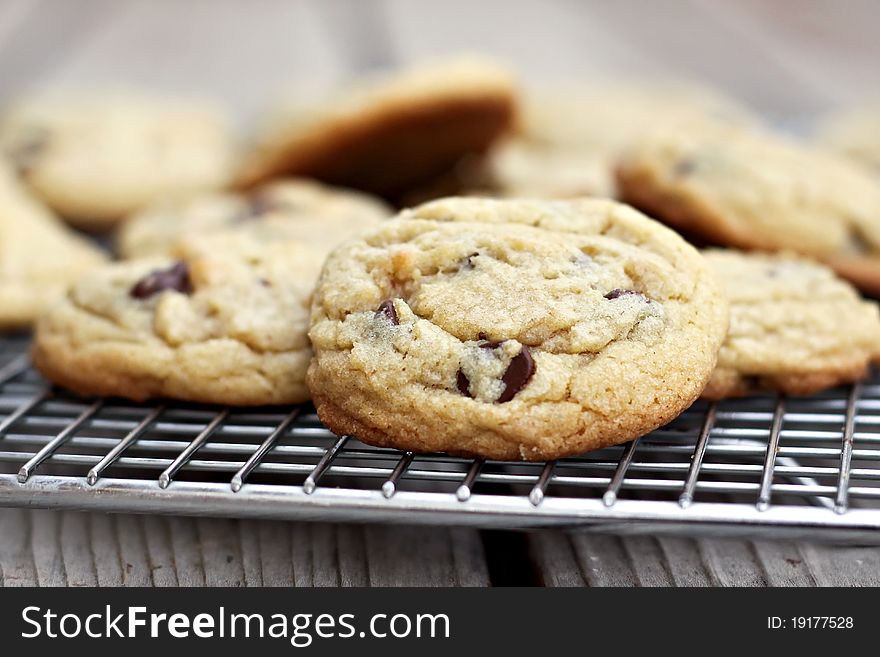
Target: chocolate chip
x,y
685,167
175,277
468,262
620,292
255,207
463,384
387,308
491,345
859,241
518,374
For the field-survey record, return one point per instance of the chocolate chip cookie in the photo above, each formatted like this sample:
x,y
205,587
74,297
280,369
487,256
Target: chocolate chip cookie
x,y
519,168
794,326
753,190
391,133
608,118
39,255
512,329
224,320
323,216
95,159
567,140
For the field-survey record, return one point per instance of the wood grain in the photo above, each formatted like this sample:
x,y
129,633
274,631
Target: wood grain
x,y
67,548
582,560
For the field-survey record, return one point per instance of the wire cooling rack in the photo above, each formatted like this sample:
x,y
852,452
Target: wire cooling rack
x,y
798,466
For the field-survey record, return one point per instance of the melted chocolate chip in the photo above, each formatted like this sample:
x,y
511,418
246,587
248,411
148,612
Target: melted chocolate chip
x,y
491,345
256,207
468,262
619,292
463,384
859,242
518,374
387,308
175,277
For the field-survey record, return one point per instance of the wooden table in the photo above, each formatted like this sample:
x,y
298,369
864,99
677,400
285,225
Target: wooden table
x,y
66,548
786,61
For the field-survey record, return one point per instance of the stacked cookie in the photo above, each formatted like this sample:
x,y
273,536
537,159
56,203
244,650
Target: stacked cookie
x,y
483,323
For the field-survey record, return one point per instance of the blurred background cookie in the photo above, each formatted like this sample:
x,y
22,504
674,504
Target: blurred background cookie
x,y
321,216
96,157
854,133
388,133
39,256
794,326
751,189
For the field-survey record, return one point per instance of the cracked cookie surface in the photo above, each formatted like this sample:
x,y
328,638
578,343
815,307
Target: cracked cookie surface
x,y
752,190
224,320
794,326
512,329
322,216
39,256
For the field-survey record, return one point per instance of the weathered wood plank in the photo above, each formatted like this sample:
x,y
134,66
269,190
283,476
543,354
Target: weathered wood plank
x,y
16,559
843,565
683,561
583,560
79,564
783,563
59,548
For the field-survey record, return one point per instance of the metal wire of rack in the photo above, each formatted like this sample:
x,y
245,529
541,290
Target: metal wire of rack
x,y
799,466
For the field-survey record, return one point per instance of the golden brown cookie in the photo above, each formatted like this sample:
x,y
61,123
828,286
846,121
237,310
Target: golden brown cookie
x,y
755,190
224,320
391,133
39,256
520,168
512,329
321,216
794,326
96,158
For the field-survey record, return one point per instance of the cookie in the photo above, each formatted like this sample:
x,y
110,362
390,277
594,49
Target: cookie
x,y
754,190
323,216
391,133
512,329
95,159
855,134
224,320
608,118
39,255
519,168
794,326
567,140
